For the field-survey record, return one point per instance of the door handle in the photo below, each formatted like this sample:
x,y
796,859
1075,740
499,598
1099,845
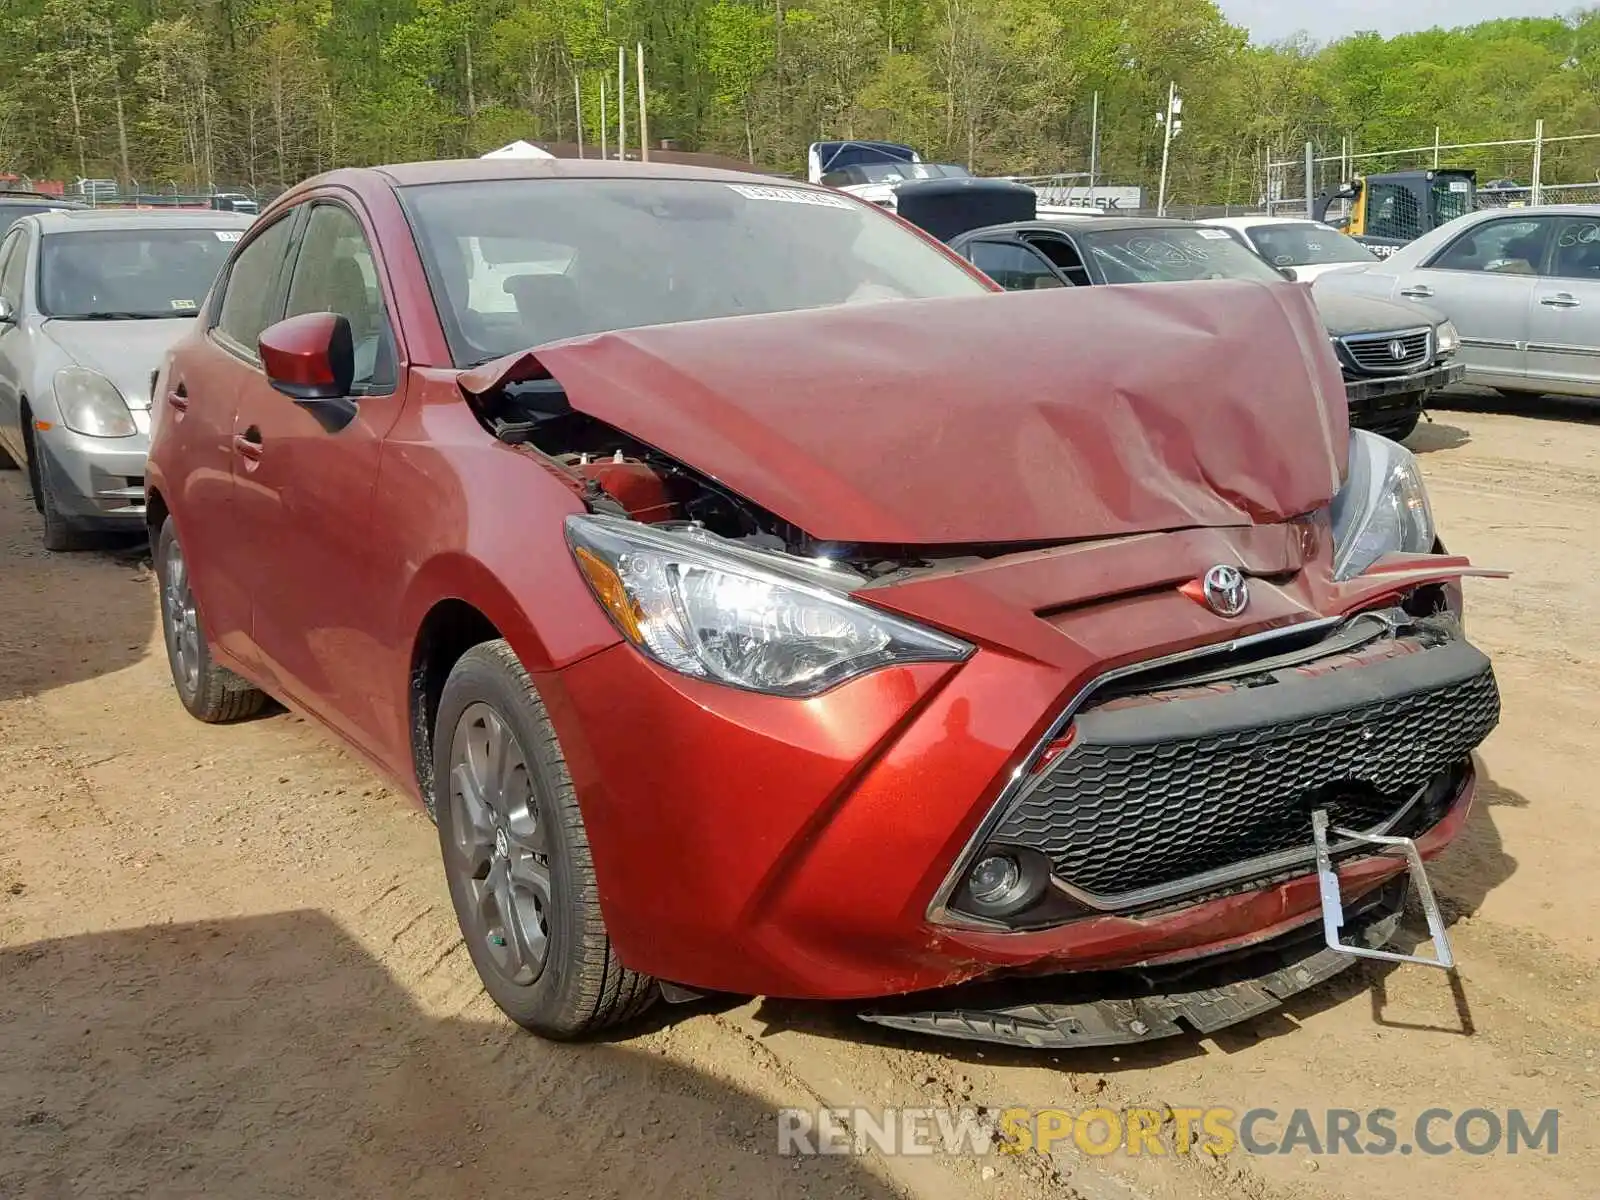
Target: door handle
x,y
1417,292
248,443
178,402
1561,300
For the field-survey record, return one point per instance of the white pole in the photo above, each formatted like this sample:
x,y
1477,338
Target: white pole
x,y
1538,161
1311,166
644,120
603,154
1435,147
1166,150
1094,147
577,108
622,104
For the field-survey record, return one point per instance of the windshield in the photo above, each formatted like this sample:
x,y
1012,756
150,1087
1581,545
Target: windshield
x,y
519,262
1170,254
1306,244
130,274
897,172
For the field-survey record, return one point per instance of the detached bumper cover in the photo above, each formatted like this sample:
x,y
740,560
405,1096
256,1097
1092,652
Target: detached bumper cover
x,y
1076,1012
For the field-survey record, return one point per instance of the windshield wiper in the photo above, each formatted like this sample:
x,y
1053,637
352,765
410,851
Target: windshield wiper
x,y
118,316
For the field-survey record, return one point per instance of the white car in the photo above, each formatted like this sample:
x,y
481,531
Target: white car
x,y
1311,248
1521,284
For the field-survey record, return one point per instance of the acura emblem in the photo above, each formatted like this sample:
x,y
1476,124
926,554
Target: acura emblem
x,y
1225,591
1397,350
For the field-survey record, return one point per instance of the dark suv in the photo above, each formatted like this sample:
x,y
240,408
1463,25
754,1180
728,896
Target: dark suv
x,y
14,205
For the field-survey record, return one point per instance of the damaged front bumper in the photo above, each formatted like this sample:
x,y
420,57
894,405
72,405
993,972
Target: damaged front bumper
x,y
1112,1009
749,844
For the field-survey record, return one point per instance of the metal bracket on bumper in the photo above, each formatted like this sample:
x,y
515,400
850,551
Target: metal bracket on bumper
x,y
1333,905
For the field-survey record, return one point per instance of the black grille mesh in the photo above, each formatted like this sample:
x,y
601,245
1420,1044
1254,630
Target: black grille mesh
x,y
1374,353
1115,819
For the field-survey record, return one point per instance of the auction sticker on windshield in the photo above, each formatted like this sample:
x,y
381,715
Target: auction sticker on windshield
x,y
761,191
1213,234
229,235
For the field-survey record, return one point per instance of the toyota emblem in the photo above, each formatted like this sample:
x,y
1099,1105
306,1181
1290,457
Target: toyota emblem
x,y
1225,590
1397,350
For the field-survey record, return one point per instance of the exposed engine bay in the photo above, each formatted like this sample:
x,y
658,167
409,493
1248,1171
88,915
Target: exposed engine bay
x,y
621,476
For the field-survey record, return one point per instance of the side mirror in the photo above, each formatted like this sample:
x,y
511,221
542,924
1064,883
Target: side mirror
x,y
1290,274
311,359
8,314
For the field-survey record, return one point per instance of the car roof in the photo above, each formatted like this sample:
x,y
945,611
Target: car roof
x,y
35,198
1098,225
475,170
1534,210
84,220
1255,221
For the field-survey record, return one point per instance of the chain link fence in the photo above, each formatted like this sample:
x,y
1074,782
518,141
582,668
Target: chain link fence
x,y
1542,169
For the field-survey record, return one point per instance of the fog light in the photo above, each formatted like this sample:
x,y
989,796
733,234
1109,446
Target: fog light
x,y
995,881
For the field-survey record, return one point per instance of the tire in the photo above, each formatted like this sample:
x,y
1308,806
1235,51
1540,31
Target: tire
x,y
516,856
59,531
1401,430
210,693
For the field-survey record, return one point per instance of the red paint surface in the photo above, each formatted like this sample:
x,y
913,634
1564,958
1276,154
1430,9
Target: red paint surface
x,y
752,843
295,351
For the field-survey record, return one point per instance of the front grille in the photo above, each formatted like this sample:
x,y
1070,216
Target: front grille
x,y
1117,816
1375,353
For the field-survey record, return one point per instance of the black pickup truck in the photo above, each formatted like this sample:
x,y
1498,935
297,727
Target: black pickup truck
x,y
1393,357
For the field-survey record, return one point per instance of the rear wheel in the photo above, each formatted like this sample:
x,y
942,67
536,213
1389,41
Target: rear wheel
x,y
516,856
211,693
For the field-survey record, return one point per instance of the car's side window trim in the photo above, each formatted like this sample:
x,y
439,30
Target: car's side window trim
x,y
1482,227
276,287
13,245
292,260
1037,243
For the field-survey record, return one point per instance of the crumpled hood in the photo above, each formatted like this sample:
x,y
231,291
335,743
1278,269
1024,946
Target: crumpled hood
x,y
1025,417
125,352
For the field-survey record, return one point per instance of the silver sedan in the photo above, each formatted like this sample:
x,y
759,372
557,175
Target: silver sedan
x,y
1521,284
90,302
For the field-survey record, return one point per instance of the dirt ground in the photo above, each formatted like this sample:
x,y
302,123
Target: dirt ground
x,y
228,966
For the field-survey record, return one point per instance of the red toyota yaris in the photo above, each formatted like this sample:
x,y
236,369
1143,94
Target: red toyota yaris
x,y
763,604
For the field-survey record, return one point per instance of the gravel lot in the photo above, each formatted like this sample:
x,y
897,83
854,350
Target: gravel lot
x,y
228,966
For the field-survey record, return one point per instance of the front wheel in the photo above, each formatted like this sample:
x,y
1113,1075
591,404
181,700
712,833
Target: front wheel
x,y
516,856
1400,430
211,693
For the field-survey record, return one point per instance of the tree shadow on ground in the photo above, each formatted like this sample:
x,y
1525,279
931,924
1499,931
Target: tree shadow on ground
x,y
272,1056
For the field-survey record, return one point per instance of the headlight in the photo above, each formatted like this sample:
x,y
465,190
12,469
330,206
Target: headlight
x,y
90,404
1382,508
1447,339
766,622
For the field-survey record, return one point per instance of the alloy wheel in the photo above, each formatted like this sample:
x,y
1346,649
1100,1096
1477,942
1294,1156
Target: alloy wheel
x,y
500,849
183,625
